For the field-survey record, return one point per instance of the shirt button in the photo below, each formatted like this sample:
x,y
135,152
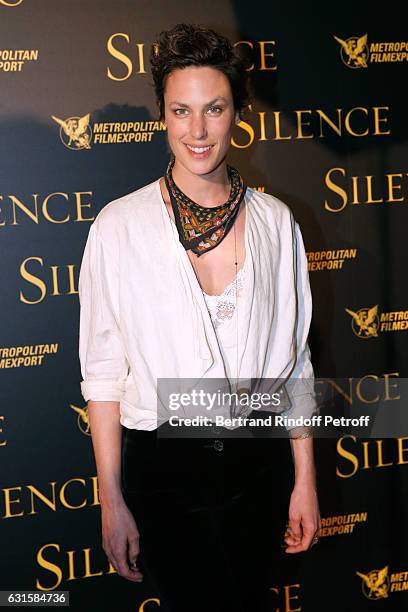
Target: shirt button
x,y
218,445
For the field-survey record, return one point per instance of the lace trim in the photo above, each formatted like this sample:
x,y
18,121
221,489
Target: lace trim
x,y
221,307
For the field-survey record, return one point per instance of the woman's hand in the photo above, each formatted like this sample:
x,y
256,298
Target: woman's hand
x,y
120,540
304,518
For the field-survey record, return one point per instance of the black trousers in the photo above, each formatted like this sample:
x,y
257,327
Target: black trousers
x,y
211,514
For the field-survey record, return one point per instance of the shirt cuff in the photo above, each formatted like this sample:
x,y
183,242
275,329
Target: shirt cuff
x,y
103,390
304,407
297,433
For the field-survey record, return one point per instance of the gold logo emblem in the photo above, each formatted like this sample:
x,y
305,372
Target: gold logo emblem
x,y
376,583
365,322
75,132
11,2
354,51
82,419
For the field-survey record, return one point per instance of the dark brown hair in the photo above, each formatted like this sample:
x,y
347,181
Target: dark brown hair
x,y
193,45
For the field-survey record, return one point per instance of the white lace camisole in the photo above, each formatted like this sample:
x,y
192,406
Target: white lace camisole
x,y
221,309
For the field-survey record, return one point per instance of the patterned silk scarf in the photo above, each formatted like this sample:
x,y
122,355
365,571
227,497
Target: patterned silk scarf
x,y
201,228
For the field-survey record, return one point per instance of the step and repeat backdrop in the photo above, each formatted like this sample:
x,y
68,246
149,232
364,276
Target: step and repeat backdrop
x,y
327,134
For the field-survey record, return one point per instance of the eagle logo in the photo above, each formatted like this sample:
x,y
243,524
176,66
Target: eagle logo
x,y
354,51
376,583
82,419
75,132
365,322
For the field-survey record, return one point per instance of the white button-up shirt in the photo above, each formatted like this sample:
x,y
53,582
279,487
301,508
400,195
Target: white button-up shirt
x,y
143,315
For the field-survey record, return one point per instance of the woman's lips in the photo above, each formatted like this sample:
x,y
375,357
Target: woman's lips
x,y
199,152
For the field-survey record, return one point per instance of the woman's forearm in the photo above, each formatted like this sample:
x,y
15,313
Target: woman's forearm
x,y
106,440
303,459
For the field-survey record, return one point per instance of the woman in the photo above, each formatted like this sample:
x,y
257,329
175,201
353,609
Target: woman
x,y
196,277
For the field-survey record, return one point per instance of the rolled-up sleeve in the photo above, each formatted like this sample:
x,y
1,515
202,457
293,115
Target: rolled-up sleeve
x,y
104,367
300,386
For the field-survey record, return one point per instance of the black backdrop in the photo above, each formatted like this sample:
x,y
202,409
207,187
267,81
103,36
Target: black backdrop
x,y
327,135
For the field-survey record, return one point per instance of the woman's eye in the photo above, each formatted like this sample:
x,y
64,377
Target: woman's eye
x,y
213,110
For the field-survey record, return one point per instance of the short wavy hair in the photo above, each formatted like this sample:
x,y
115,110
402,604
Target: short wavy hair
x,y
193,45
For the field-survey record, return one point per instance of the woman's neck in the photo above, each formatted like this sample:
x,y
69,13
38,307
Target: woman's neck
x,y
207,190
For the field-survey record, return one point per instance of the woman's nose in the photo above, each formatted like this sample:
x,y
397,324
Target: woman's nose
x,y
198,127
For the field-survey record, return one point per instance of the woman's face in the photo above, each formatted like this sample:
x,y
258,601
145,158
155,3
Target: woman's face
x,y
199,114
